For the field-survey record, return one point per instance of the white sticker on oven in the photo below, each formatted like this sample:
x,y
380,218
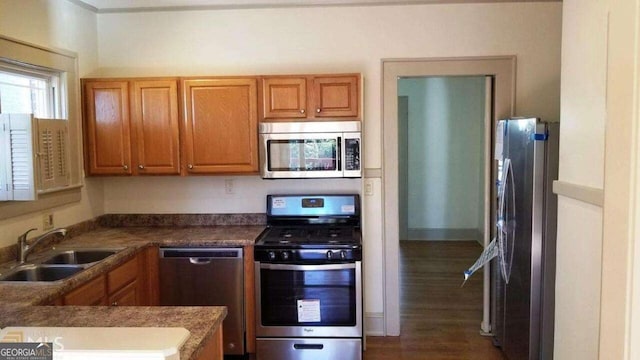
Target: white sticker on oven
x,y
309,310
278,203
348,209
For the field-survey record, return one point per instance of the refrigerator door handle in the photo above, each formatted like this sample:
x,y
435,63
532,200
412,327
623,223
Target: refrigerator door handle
x,y
503,224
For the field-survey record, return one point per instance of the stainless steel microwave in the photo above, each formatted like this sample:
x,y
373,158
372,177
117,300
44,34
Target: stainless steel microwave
x,y
321,149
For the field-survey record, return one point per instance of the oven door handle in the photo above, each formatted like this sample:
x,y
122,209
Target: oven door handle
x,y
307,267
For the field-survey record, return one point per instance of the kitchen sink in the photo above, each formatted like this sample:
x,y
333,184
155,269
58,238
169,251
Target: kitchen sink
x,y
85,256
58,265
30,273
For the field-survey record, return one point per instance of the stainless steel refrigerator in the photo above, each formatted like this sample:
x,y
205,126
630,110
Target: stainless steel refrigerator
x,y
523,276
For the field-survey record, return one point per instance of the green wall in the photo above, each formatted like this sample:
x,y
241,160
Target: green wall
x,y
441,175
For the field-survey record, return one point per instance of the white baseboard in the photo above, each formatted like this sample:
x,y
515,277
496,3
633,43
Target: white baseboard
x,y
374,324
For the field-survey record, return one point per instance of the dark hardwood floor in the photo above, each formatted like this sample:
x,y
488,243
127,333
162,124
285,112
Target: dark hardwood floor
x,y
439,319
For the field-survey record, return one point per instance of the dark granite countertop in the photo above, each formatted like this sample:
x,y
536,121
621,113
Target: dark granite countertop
x,y
18,301
132,240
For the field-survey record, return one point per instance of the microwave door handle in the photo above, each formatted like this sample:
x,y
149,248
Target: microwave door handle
x,y
339,155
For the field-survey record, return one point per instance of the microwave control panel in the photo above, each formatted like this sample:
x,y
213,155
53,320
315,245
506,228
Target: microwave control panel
x,y
352,154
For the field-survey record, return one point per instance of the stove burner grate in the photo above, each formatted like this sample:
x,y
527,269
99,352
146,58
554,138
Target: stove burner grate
x,y
310,236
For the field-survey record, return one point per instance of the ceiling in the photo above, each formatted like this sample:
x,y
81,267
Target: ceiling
x,y
110,6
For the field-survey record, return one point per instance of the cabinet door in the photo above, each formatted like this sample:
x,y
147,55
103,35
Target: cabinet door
x,y
154,119
148,279
336,96
127,296
221,126
108,138
92,293
214,348
284,97
122,275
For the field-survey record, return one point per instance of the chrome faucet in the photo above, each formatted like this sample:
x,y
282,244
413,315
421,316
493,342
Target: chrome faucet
x,y
24,248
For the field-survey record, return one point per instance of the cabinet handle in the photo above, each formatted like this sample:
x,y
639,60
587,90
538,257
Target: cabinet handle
x,y
141,167
115,303
318,110
190,166
126,167
301,111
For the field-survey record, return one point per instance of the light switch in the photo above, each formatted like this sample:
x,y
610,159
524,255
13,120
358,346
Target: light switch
x,y
368,187
47,221
228,186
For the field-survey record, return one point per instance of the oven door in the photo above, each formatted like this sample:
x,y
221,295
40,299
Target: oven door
x,y
309,300
316,155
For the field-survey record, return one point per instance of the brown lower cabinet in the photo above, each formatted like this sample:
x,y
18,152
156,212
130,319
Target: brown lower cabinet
x,y
92,293
131,284
135,283
127,296
213,349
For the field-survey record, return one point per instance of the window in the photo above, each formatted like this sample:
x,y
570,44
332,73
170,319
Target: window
x,y
15,52
28,96
30,90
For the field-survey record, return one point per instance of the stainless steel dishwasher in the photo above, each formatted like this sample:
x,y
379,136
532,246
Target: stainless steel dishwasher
x,y
207,277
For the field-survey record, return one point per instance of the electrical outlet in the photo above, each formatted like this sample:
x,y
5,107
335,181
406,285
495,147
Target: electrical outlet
x,y
228,186
368,187
47,221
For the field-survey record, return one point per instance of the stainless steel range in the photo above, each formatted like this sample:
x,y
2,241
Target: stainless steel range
x,y
309,279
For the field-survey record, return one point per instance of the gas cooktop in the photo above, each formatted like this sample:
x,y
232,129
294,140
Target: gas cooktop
x,y
311,228
310,236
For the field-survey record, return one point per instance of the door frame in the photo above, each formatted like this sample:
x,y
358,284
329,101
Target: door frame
x,y
502,68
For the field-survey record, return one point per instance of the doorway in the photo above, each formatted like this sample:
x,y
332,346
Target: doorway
x,y
441,157
502,72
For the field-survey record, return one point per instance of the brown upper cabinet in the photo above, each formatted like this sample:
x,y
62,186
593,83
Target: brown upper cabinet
x,y
311,97
285,97
131,127
220,125
107,136
154,115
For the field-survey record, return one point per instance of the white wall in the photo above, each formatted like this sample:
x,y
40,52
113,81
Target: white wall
x,y
206,194
445,133
63,25
582,131
330,39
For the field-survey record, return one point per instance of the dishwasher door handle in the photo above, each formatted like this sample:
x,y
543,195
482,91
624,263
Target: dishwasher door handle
x,y
200,261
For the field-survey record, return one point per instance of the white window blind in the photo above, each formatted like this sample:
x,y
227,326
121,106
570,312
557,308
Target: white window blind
x,y
18,170
35,156
53,154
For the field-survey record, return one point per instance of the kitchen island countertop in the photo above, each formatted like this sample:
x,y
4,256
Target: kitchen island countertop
x,y
201,321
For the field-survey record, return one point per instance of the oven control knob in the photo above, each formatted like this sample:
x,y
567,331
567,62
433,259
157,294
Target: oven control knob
x,y
285,255
329,255
272,255
343,255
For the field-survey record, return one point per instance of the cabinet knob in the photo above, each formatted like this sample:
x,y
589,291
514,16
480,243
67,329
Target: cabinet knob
x,y
140,166
318,110
126,167
115,303
190,166
301,111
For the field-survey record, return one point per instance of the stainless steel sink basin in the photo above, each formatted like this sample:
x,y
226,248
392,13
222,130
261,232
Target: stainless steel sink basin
x,y
85,256
58,265
30,273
